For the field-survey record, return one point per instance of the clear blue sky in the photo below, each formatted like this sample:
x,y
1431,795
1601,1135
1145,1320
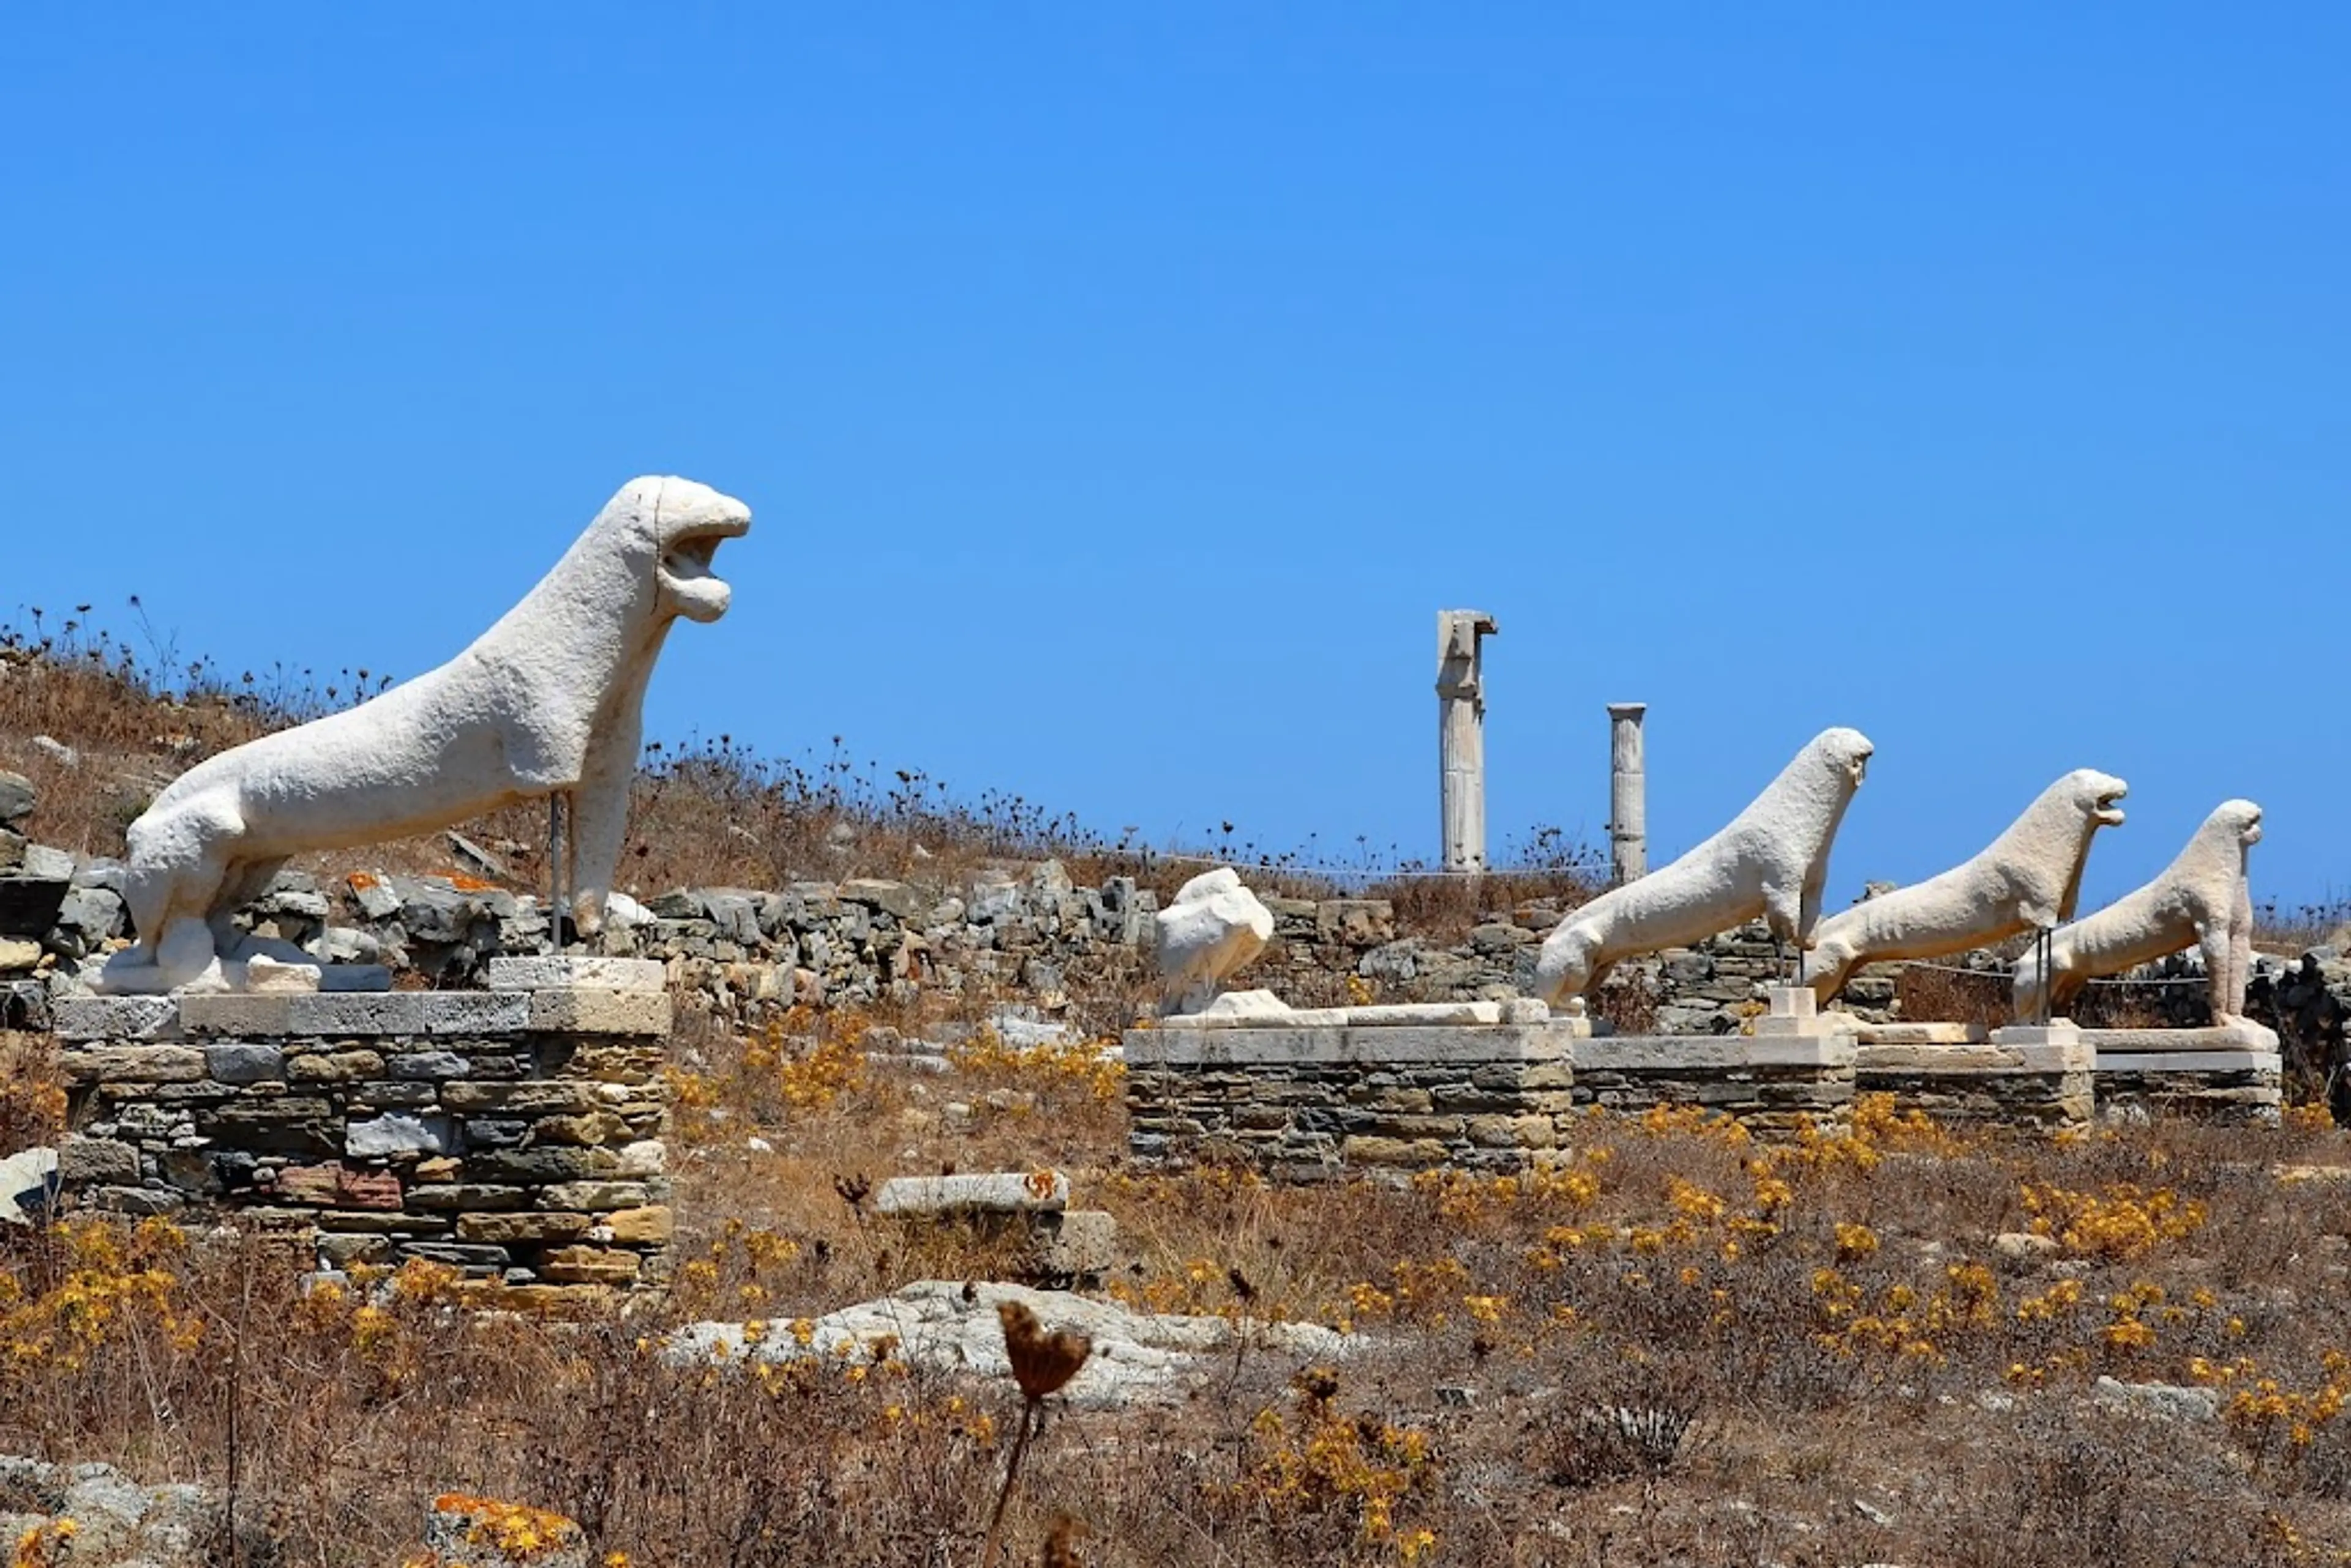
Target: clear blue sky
x,y
1120,393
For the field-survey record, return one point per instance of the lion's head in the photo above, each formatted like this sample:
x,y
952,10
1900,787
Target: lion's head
x,y
2240,820
2093,794
675,526
1847,750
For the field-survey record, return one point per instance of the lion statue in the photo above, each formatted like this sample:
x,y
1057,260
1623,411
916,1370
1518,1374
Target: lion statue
x,y
550,701
2028,879
1771,861
2200,900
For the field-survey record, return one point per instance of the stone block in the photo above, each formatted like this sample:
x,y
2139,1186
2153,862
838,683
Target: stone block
x,y
1820,1050
596,1196
476,1012
387,1095
1009,1192
576,972
132,1064
1078,1244
469,1196
2186,1061
397,1133
651,1226
536,1229
1354,922
353,977
122,1020
29,904
237,1013
237,1062
427,1065
89,1162
340,1251
355,1014
594,1130
532,1097
586,1011
646,1157
292,1125
333,1067
1401,1153
893,898
1921,1034
541,1167
589,1266
474,1257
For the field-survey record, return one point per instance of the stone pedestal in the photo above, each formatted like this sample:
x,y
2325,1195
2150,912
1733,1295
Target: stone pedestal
x,y
1338,1089
2229,1073
2022,1076
1777,1085
515,1134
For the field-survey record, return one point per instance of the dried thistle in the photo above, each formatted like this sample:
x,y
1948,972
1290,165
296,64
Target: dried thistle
x,y
1041,1361
1240,1284
1041,1364
1061,1544
854,1190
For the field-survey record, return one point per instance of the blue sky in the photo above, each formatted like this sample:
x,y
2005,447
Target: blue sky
x,y
1121,392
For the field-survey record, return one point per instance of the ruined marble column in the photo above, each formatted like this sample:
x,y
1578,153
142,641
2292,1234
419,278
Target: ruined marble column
x,y
1461,735
1628,795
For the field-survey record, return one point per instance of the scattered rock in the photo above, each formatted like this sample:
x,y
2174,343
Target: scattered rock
x,y
950,1326
29,1186
2024,1244
2160,1401
472,854
1007,1192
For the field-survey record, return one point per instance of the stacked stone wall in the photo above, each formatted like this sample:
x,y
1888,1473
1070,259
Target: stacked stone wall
x,y
515,1136
1309,1103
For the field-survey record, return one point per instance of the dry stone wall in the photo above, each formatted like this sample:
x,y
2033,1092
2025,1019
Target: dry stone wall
x,y
515,1136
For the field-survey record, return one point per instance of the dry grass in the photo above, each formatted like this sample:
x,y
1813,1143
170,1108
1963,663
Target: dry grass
x,y
1677,1346
709,812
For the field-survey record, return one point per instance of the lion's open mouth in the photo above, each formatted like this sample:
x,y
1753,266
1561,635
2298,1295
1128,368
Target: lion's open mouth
x,y
699,593
2107,813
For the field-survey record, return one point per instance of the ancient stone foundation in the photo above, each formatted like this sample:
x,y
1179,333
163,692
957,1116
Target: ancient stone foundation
x,y
514,1133
2024,1077
1774,1088
2227,1074
1306,1094
1352,1088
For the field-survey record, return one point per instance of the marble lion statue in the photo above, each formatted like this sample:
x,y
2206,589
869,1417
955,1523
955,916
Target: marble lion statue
x,y
547,701
2028,879
1213,926
2200,900
1771,861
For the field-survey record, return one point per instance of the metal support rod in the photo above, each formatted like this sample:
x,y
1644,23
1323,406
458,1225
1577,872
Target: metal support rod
x,y
559,900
